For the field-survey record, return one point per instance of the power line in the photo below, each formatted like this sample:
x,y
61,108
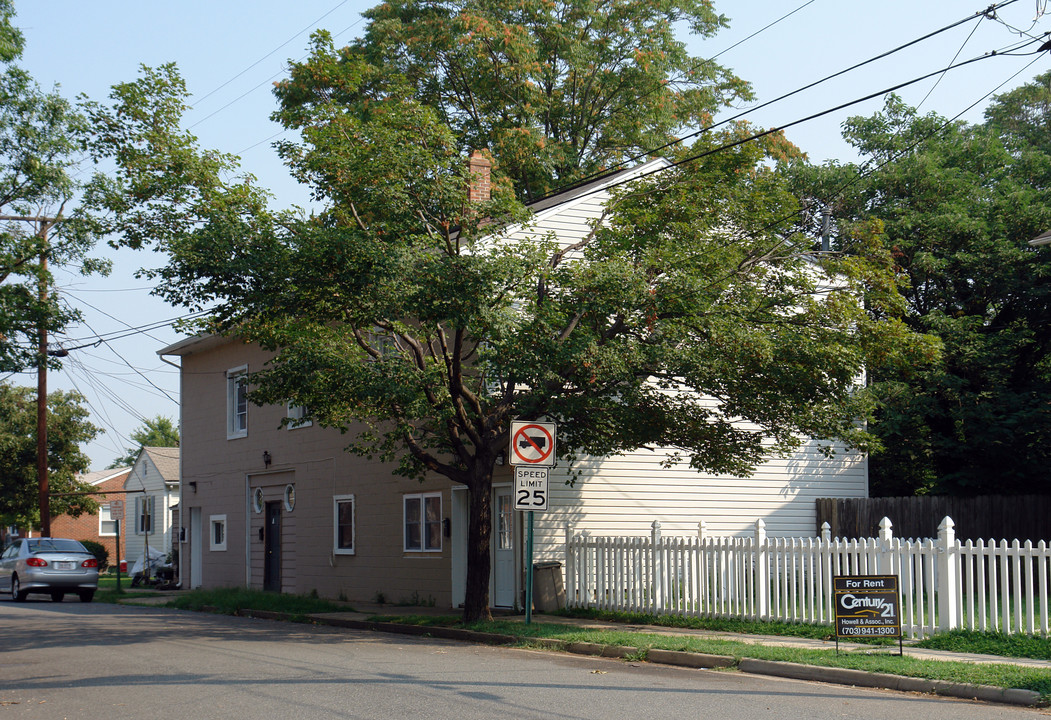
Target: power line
x,y
678,141
286,42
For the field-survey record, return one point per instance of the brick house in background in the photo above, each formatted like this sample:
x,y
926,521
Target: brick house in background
x,y
100,527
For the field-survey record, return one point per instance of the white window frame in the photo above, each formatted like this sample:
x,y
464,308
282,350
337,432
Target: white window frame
x,y
236,420
295,415
106,516
422,499
338,500
147,503
220,521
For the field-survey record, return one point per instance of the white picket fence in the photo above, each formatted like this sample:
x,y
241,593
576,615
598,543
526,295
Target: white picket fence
x,y
944,584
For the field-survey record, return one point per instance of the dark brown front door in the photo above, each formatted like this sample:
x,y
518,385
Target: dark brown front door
x,y
272,548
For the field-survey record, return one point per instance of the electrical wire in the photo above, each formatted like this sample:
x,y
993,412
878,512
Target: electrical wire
x,y
678,141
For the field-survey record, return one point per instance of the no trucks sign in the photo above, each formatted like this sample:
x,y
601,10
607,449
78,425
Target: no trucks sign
x,y
867,606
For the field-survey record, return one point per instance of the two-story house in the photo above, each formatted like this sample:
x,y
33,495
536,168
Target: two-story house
x,y
289,509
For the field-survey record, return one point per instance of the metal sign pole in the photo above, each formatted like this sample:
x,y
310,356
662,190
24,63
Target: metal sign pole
x,y
529,569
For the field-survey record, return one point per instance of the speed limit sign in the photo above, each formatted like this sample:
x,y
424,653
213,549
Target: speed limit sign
x,y
530,488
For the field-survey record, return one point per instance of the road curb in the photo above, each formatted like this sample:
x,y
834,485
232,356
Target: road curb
x,y
795,671
862,678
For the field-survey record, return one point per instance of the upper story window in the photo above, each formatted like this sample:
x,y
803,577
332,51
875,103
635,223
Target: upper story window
x,y
144,515
298,416
237,402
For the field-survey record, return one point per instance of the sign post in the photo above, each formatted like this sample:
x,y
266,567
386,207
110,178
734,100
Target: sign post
x,y
867,606
116,511
532,453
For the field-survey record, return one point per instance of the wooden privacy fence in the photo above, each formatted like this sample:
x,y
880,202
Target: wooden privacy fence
x,y
945,584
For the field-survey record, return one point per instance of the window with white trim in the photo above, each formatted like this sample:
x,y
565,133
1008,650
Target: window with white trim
x,y
343,524
237,402
144,515
107,523
217,532
298,417
423,522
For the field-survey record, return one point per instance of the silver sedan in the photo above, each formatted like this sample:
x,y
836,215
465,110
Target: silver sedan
x,y
52,566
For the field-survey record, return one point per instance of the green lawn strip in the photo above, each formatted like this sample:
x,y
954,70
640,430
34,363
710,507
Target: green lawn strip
x,y
229,601
879,661
748,627
990,643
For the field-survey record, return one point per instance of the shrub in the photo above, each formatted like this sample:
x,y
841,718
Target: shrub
x,y
101,553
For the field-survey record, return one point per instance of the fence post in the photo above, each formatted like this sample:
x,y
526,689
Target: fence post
x,y
658,566
886,534
946,557
826,532
571,575
702,527
762,572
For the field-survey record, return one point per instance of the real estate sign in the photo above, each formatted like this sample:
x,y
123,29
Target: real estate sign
x,y
867,606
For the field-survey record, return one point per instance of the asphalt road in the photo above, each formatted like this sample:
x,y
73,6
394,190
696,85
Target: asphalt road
x,y
83,662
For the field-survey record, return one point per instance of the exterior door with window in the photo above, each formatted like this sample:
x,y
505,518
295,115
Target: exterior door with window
x,y
503,549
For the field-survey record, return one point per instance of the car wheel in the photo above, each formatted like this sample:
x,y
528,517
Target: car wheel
x,y
57,596
17,593
86,595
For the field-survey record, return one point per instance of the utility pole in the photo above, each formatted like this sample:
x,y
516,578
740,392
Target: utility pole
x,y
43,224
41,400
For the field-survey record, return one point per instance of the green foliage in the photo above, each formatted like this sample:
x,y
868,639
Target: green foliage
x,y
99,551
555,90
40,148
416,319
229,601
68,430
990,643
958,204
159,431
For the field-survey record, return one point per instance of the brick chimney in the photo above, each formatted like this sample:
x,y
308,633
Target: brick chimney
x,y
480,165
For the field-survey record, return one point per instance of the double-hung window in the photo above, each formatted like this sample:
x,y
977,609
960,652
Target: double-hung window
x,y
144,515
298,416
217,533
343,524
423,522
237,402
107,522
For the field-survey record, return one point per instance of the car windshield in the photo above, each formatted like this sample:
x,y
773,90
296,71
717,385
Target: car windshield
x,y
54,545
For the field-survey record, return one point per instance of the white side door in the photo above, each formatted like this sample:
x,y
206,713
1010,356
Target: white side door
x,y
503,548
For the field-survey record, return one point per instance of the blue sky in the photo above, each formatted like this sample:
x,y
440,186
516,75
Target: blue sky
x,y
230,53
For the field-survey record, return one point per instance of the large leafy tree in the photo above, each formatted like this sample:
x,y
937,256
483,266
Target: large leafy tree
x,y
40,145
159,431
691,317
958,204
68,428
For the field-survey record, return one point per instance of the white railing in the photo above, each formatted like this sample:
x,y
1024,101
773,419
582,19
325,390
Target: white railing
x,y
944,584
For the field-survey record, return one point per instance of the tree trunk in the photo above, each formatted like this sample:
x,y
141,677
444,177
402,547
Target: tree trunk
x,y
479,532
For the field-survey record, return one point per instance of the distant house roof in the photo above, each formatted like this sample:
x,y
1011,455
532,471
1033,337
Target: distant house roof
x,y
97,477
167,461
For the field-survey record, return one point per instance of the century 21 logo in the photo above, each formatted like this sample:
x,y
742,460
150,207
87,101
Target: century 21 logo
x,y
877,606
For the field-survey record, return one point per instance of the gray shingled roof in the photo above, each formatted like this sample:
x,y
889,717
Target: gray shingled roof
x,y
167,461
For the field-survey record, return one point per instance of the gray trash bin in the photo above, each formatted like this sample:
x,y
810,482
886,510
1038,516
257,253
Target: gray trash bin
x,y
548,591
